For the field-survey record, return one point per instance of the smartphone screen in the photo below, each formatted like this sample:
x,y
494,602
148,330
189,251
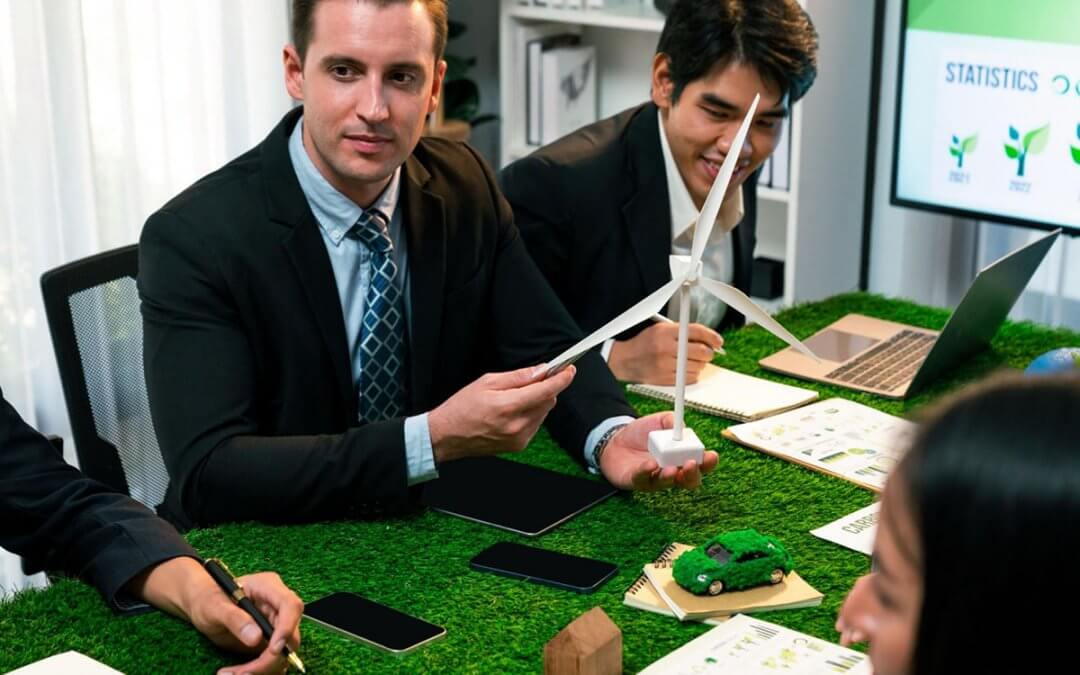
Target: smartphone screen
x,y
368,621
583,575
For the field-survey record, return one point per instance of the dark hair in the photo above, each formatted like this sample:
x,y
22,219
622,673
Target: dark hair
x,y
303,23
776,37
993,480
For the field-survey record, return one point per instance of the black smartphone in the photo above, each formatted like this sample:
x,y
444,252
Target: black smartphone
x,y
357,617
561,570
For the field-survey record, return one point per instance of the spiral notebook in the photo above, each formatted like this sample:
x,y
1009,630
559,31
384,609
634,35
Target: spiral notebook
x,y
642,594
791,593
738,397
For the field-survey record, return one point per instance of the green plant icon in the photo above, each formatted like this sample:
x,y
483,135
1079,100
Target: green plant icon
x,y
1076,150
960,148
1033,143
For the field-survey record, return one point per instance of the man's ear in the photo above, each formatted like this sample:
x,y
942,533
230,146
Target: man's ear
x,y
436,86
662,85
294,72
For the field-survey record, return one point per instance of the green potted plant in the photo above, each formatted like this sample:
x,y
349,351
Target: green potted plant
x,y
459,105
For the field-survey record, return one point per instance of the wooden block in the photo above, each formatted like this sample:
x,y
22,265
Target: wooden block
x,y
590,645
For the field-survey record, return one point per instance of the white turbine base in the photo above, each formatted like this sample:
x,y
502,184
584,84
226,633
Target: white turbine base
x,y
669,452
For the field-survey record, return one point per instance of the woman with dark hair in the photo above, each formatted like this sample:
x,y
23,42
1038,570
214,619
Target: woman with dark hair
x,y
978,527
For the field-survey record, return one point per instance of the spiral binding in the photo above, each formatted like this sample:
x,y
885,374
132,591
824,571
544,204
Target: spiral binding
x,y
662,560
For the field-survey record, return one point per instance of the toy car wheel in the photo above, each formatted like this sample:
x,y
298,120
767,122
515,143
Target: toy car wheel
x,y
716,587
777,576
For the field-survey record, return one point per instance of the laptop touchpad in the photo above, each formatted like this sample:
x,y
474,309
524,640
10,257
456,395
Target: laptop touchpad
x,y
836,345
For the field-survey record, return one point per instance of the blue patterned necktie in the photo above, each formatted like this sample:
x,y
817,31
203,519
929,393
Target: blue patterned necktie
x,y
382,329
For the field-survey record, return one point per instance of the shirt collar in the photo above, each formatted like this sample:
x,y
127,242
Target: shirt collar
x,y
334,212
683,211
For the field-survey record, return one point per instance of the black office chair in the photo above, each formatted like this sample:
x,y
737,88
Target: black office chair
x,y
92,306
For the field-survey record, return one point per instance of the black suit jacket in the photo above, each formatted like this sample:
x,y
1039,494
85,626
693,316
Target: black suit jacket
x,y
58,519
246,355
594,212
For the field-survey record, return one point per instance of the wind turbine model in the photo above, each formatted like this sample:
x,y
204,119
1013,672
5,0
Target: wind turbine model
x,y
672,447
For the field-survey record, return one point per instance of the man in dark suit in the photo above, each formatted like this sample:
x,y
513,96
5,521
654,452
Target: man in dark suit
x,y
602,208
58,519
320,313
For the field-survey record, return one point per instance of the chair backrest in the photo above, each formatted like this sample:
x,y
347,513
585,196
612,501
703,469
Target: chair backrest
x,y
92,306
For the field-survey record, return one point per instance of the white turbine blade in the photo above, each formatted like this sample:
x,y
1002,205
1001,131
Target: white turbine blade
x,y
738,300
711,208
642,311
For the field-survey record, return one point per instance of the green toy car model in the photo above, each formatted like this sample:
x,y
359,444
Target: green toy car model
x,y
732,561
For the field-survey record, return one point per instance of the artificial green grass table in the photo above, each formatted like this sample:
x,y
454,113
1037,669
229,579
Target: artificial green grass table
x,y
419,563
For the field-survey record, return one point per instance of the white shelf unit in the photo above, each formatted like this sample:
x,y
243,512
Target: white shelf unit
x,y
816,226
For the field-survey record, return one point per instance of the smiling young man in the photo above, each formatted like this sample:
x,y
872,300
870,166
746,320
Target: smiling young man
x,y
324,316
602,209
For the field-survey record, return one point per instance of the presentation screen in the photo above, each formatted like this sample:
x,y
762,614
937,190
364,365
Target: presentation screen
x,y
988,110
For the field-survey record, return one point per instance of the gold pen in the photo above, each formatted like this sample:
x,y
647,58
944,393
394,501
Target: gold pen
x,y
224,578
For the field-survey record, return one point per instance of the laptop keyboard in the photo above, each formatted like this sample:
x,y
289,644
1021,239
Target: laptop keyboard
x,y
888,364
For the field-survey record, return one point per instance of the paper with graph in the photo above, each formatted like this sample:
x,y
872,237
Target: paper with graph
x,y
750,646
837,436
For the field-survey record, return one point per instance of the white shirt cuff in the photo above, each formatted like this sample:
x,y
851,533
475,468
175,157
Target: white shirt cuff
x,y
605,349
419,455
597,433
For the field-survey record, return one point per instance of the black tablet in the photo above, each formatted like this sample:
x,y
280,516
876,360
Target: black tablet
x,y
511,495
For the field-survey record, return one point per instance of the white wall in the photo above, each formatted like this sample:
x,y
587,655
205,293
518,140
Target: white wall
x,y
922,256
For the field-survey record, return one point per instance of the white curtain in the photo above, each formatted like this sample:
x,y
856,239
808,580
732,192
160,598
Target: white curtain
x,y
107,109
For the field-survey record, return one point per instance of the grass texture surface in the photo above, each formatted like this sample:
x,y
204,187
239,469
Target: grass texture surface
x,y
419,563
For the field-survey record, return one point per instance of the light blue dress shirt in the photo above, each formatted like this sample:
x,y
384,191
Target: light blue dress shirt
x,y
351,262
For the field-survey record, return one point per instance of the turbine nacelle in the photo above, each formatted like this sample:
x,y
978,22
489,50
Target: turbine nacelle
x,y
683,267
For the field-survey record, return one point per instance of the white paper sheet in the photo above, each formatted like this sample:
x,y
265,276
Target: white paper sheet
x,y
64,664
838,436
751,646
855,530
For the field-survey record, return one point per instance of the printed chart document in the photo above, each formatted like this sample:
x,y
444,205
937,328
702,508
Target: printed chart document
x,y
751,646
729,394
837,436
855,530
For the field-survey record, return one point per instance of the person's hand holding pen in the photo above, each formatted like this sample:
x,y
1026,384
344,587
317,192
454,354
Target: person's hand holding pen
x,y
183,588
650,356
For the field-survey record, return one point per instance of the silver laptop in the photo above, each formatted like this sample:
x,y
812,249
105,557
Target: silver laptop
x,y
895,360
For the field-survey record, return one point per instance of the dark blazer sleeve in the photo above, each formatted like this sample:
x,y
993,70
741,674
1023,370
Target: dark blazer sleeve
x,y
532,321
58,519
203,388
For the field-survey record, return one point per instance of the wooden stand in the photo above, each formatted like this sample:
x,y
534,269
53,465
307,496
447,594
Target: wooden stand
x,y
590,645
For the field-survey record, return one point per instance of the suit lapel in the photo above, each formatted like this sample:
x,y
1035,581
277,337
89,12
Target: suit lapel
x,y
307,252
305,249
647,213
425,226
